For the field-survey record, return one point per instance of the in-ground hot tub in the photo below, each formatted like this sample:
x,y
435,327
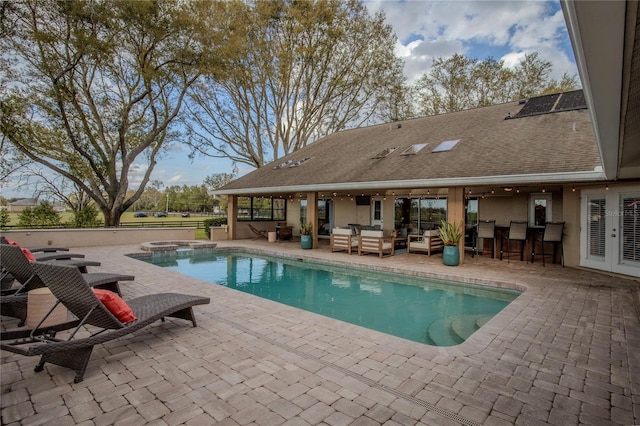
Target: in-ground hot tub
x,y
173,247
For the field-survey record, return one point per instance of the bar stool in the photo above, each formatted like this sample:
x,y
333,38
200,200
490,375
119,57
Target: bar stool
x,y
553,232
486,230
517,232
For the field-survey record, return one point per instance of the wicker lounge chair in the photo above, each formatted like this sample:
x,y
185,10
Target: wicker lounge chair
x,y
68,286
14,301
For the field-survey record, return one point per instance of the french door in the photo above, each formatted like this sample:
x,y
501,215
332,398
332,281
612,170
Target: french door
x,y
377,217
610,236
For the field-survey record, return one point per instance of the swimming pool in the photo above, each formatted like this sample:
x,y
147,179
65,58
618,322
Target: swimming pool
x,y
425,311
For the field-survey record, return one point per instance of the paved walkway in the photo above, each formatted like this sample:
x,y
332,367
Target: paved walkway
x,y
566,351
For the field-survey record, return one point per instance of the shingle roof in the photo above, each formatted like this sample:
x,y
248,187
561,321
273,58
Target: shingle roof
x,y
490,146
25,202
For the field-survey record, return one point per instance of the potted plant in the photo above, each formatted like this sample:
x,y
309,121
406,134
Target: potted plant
x,y
450,233
306,241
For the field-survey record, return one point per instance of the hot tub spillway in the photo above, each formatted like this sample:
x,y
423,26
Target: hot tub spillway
x,y
178,248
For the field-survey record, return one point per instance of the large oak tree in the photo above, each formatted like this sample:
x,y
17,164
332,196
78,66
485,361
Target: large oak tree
x,y
310,68
93,87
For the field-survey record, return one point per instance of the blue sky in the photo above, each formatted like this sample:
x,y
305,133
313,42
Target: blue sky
x,y
426,30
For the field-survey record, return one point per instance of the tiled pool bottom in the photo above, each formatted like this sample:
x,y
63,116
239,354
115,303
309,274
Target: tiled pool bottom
x,y
425,311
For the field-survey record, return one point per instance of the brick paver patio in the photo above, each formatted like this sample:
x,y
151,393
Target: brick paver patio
x,y
566,351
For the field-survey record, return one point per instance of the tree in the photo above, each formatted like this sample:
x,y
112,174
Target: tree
x,y
97,85
531,75
218,180
43,215
86,217
310,68
458,83
448,86
4,218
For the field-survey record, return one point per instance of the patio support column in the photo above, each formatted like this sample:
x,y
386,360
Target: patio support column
x,y
232,216
312,215
455,213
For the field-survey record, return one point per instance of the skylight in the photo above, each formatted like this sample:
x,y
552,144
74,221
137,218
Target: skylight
x,y
291,163
282,165
446,145
385,152
414,149
299,162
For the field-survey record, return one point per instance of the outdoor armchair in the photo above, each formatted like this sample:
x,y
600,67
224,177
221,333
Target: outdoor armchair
x,y
343,239
427,242
375,242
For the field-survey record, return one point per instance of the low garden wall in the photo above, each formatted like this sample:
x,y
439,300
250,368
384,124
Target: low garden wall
x,y
97,236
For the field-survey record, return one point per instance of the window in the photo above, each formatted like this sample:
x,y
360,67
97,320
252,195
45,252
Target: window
x,y
446,145
539,209
261,208
418,215
414,149
385,152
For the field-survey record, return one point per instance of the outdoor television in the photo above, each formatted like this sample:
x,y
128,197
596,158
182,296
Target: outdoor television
x,y
363,200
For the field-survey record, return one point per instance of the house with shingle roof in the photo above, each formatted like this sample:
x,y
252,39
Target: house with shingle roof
x,y
537,166
520,161
22,204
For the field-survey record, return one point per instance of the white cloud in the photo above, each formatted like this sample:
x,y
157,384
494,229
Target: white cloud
x,y
502,29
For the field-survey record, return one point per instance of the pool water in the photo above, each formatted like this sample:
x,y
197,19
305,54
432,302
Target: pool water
x,y
425,311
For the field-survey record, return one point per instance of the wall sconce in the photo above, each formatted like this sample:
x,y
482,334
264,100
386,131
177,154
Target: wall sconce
x,y
573,188
544,189
493,191
507,188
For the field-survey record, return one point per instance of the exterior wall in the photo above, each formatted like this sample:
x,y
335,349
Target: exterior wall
x,y
97,237
571,217
344,212
504,209
293,216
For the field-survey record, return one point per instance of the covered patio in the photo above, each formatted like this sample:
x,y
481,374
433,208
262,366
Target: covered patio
x,y
566,351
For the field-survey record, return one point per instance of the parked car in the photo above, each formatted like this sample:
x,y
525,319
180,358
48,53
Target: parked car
x,y
186,214
139,214
160,214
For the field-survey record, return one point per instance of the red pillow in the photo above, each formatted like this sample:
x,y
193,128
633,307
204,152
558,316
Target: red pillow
x,y
28,254
115,305
11,242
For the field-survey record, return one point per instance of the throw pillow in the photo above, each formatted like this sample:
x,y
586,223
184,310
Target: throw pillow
x,y
28,254
115,305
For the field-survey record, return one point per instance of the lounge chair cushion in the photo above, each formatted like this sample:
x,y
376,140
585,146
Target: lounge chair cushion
x,y
28,254
115,305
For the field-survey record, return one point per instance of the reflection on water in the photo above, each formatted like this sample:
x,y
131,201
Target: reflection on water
x,y
421,310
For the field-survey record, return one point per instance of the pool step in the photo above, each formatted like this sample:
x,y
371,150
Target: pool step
x,y
441,334
455,330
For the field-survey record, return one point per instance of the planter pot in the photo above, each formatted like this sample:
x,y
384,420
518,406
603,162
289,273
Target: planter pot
x,y
451,256
306,242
